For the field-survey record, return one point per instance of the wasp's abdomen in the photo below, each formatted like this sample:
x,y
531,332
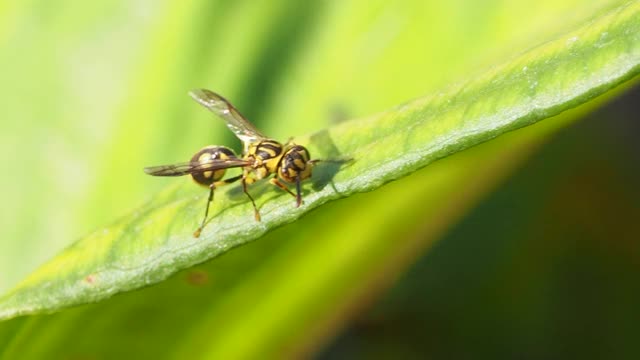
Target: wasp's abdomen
x,y
211,153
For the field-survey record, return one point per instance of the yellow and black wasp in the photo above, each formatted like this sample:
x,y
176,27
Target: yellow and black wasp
x,y
261,157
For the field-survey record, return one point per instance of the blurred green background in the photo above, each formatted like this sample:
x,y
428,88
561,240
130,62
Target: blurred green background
x,y
545,267
95,91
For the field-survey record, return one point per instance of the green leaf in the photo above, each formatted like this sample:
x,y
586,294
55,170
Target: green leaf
x,y
156,240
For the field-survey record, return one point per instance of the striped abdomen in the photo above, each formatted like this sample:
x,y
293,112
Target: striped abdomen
x,y
207,154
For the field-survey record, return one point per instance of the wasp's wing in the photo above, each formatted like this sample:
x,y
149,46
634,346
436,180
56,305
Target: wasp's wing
x,y
244,130
194,167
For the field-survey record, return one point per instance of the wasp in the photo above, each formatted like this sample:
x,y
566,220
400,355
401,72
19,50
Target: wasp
x,y
261,157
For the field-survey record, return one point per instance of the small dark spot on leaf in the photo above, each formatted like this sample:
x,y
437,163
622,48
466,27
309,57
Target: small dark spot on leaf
x,y
90,279
198,277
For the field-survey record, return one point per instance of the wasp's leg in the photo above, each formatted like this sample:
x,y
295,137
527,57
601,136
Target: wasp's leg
x,y
298,192
212,187
282,186
244,188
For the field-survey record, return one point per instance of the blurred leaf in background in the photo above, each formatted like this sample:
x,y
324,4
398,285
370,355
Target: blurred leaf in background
x,y
95,91
547,266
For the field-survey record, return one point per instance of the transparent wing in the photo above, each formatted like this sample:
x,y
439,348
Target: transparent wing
x,y
244,130
194,167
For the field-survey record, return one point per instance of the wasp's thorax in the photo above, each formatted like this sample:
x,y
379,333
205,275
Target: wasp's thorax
x,y
266,156
295,165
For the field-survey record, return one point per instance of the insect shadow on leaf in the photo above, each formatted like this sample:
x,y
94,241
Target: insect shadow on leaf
x,y
331,163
